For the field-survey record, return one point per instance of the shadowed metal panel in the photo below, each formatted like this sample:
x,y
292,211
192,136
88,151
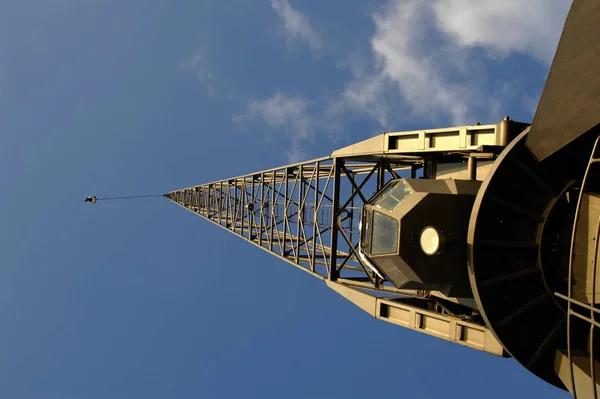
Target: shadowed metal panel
x,y
570,102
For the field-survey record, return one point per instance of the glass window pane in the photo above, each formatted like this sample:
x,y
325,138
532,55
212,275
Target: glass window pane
x,y
388,202
366,230
377,197
394,196
385,234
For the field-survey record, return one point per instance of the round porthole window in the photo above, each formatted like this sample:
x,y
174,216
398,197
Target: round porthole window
x,y
430,241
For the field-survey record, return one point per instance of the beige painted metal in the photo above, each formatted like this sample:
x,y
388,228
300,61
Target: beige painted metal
x,y
586,250
469,302
449,186
442,326
307,214
584,383
467,138
459,171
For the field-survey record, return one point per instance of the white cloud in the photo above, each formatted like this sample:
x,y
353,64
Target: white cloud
x,y
296,24
429,60
532,27
422,53
365,93
198,65
290,115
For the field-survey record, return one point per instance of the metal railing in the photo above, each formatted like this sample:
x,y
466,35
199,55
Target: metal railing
x,y
593,311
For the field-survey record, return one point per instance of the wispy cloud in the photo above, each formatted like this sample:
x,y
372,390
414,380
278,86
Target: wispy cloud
x,y
290,115
199,66
430,60
296,24
421,55
531,27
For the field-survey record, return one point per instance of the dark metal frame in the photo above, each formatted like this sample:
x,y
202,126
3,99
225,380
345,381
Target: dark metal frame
x,y
306,214
594,312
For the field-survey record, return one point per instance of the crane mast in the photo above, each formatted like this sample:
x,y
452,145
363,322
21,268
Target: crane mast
x,y
309,214
485,236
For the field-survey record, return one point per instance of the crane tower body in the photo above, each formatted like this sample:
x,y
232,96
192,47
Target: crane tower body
x,y
485,235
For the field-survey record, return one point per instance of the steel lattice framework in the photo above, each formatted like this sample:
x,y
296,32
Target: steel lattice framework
x,y
308,214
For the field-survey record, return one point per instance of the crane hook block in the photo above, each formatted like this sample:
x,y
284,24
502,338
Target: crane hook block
x,y
91,199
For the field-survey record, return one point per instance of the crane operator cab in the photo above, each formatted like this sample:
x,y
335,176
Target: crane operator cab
x,y
414,233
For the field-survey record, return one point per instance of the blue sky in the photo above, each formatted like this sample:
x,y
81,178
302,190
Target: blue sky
x,y
139,299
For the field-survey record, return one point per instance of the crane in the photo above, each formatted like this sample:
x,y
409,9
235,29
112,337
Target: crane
x,y
483,235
